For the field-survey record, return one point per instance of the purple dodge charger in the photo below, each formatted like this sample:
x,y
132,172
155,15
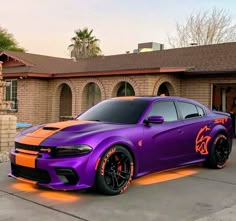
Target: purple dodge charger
x,y
121,139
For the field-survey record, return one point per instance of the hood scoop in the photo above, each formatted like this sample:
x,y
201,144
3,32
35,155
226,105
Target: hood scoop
x,y
51,128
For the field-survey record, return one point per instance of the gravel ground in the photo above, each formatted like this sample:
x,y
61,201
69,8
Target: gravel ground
x,y
4,156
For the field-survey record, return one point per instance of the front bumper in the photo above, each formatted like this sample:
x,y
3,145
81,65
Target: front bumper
x,y
67,173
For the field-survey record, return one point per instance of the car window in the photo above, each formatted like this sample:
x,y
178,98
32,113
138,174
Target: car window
x,y
187,110
200,111
116,111
165,109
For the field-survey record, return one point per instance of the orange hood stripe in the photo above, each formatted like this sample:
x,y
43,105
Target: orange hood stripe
x,y
38,136
125,98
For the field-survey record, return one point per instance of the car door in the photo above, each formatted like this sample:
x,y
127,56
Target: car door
x,y
195,121
162,142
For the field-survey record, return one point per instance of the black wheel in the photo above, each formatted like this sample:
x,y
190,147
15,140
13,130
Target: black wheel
x,y
219,152
115,171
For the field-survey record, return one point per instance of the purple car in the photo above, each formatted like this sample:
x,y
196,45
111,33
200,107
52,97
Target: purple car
x,y
121,139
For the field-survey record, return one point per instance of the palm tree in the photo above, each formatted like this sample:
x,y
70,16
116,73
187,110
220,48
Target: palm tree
x,y
84,44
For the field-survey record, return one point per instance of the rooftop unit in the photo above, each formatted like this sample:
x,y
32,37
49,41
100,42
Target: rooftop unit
x,y
149,46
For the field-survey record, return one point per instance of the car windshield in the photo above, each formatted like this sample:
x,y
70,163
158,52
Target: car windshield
x,y
116,111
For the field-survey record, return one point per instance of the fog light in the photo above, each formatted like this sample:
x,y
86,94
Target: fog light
x,y
67,176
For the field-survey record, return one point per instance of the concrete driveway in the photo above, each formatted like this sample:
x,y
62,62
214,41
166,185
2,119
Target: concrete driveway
x,y
193,193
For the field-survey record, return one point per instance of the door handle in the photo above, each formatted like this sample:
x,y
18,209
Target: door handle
x,y
180,131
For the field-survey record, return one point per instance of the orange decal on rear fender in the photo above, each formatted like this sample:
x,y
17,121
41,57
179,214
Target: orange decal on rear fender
x,y
202,141
25,160
221,120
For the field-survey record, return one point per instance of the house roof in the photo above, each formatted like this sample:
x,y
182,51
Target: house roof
x,y
198,59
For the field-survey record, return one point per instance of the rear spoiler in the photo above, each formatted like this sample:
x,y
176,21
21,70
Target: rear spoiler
x,y
222,113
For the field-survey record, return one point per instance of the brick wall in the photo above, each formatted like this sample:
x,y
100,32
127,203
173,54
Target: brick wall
x,y
7,132
1,88
32,95
199,87
143,85
39,100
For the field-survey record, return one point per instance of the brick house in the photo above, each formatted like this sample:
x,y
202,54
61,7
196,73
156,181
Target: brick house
x,y
48,89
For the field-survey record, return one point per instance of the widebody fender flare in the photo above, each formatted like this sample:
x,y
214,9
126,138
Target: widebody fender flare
x,y
102,147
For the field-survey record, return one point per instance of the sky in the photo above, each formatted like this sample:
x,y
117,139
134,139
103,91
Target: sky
x,y
47,26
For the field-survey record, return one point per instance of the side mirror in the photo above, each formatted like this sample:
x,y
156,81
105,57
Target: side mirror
x,y
155,120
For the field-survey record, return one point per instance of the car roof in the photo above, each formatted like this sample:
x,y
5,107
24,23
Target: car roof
x,y
156,98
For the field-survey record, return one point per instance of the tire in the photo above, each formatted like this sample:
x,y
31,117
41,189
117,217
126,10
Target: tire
x,y
115,171
219,152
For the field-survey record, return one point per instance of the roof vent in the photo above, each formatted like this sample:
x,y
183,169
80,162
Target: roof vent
x,y
149,46
50,128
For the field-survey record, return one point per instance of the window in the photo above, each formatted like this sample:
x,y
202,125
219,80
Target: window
x,y
11,93
163,90
117,111
165,109
93,95
125,89
188,110
65,102
200,111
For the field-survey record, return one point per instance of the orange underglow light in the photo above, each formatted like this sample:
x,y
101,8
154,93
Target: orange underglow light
x,y
165,176
47,194
27,187
59,196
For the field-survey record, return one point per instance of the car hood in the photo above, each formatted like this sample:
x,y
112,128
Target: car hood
x,y
61,130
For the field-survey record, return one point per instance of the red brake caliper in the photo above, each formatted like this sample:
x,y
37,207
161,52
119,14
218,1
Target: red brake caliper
x,y
119,168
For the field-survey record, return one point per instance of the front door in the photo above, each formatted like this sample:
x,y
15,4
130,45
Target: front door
x,y
163,142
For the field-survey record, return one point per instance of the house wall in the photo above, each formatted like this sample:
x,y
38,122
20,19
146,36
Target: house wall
x,y
142,84
1,88
32,95
197,88
200,87
39,100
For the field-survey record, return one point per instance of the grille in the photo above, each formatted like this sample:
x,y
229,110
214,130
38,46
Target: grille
x,y
30,147
38,175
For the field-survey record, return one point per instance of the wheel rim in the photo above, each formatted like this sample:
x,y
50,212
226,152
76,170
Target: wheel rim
x,y
222,151
117,171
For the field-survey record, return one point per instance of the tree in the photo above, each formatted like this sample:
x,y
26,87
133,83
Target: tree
x,y
204,28
7,42
84,44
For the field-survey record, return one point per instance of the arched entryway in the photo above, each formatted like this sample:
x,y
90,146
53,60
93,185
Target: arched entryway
x,y
165,89
92,95
125,89
65,110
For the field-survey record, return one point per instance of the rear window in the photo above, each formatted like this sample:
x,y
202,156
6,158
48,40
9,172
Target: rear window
x,y
188,110
200,111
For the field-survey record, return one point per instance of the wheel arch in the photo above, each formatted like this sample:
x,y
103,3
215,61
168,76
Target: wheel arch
x,y
101,149
212,161
219,129
131,153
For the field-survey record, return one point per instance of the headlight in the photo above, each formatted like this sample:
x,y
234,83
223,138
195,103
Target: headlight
x,y
72,150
